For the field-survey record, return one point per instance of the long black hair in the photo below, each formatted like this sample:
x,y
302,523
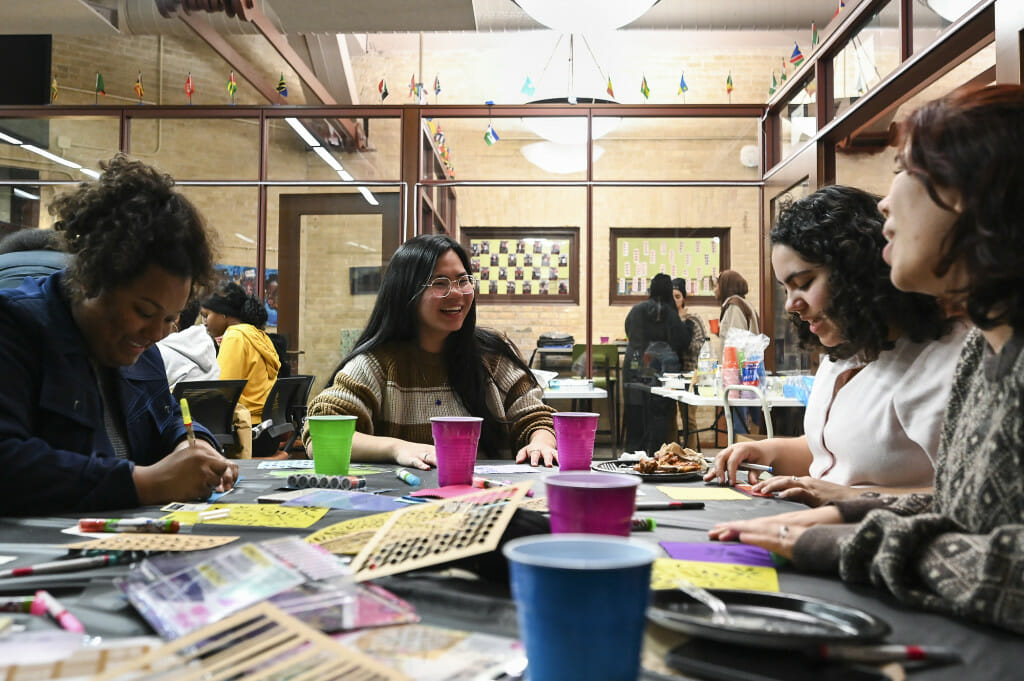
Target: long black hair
x,y
840,228
394,318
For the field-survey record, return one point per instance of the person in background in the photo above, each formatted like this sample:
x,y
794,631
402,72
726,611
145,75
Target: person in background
x,y
30,252
955,230
235,319
86,418
699,335
189,353
731,290
657,341
875,410
422,355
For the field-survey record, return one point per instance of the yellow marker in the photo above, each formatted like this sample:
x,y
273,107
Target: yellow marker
x,y
186,416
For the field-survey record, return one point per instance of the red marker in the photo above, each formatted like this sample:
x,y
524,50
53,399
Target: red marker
x,y
153,525
669,505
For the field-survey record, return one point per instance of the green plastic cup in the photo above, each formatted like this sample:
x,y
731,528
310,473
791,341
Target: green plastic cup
x,y
332,443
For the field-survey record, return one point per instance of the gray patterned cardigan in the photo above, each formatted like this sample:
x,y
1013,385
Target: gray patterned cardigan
x,y
960,550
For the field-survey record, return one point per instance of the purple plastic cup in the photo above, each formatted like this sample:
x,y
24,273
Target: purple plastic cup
x,y
591,503
455,441
574,436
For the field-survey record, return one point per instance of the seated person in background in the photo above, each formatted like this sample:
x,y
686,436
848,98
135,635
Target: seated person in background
x,y
86,419
875,410
30,252
189,353
237,319
422,355
955,231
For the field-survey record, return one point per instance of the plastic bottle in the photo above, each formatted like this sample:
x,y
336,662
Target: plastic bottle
x,y
705,378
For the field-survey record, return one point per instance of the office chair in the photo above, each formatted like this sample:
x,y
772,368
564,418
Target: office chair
x,y
212,404
285,408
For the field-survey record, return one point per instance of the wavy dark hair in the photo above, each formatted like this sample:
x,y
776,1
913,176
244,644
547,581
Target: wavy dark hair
x,y
234,301
395,318
840,228
126,221
972,141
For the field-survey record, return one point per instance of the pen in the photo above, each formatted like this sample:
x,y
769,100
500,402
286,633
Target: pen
x,y
669,505
484,483
16,604
747,466
650,524
890,653
69,565
407,477
153,525
186,416
44,602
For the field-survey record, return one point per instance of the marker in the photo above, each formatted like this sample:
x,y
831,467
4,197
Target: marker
x,y
44,602
70,565
16,604
407,477
747,466
186,416
152,525
669,505
215,514
890,653
650,524
484,483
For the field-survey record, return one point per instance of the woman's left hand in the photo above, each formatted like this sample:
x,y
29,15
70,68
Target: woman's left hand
x,y
540,450
777,533
805,489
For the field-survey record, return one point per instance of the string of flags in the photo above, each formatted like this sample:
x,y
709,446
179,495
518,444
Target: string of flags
x,y
53,90
139,90
232,86
189,87
644,90
282,87
382,88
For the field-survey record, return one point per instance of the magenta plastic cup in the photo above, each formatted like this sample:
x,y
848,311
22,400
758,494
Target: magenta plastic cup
x,y
455,442
574,437
591,503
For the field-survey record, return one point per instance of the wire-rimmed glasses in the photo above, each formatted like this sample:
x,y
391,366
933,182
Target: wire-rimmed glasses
x,y
441,287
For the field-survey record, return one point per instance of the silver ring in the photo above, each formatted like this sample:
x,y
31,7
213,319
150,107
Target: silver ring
x,y
795,478
783,531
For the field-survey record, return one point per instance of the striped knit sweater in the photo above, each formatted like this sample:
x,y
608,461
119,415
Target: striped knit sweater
x,y
395,389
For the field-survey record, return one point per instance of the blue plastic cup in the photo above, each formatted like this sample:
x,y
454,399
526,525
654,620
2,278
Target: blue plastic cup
x,y
581,600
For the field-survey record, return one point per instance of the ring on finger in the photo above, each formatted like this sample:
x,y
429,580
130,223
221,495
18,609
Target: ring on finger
x,y
783,531
795,478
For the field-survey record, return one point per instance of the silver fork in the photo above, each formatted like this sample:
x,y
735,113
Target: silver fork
x,y
719,611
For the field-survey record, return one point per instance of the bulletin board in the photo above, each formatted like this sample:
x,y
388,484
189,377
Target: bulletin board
x,y
695,254
530,265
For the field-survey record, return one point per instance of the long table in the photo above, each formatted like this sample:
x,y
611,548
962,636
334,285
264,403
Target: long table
x,y
449,600
764,401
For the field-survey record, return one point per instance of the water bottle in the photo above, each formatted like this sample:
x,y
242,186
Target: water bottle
x,y
705,378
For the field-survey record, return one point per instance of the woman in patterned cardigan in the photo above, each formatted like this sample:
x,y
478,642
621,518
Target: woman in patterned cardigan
x,y
955,226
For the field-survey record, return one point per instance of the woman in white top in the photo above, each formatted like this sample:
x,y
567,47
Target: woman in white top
x,y
874,415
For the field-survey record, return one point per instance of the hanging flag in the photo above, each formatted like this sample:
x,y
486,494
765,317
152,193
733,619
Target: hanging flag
x,y
728,85
609,90
53,90
100,90
282,87
644,90
490,136
138,87
437,85
682,83
785,65
528,88
797,58
774,85
412,86
840,8
232,86
189,87
382,88
814,35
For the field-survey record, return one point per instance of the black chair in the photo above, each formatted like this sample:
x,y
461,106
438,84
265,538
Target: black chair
x,y
212,403
17,265
285,409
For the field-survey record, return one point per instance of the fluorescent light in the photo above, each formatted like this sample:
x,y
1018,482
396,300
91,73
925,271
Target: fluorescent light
x,y
9,139
559,158
328,158
302,132
53,157
25,195
345,175
90,172
246,239
370,198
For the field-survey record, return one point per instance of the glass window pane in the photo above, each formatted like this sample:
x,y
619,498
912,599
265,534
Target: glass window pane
x,y
788,356
871,54
933,17
65,148
229,151
292,155
799,118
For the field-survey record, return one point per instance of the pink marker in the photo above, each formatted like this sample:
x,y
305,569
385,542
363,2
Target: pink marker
x,y
45,603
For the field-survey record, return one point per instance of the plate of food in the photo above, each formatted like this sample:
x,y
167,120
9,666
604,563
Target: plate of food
x,y
671,463
764,619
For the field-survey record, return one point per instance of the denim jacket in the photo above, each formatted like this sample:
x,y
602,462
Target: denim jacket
x,y
54,450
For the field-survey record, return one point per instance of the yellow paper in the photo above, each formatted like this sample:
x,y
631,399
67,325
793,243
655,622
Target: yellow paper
x,y
668,571
366,522
702,493
255,515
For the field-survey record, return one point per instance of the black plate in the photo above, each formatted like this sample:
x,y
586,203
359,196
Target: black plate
x,y
624,466
767,619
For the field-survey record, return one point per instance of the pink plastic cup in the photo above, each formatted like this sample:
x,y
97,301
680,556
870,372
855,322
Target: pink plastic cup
x,y
574,436
593,503
455,441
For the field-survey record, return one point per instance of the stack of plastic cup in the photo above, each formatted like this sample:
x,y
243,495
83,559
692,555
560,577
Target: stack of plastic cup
x,y
455,443
595,503
574,436
332,443
580,601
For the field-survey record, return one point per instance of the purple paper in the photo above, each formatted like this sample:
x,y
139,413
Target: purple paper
x,y
719,552
345,500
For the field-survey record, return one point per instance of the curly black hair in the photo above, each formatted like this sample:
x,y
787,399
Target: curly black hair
x,y
840,228
972,141
234,301
126,221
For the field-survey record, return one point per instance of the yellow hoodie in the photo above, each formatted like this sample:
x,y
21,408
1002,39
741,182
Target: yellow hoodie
x,y
246,352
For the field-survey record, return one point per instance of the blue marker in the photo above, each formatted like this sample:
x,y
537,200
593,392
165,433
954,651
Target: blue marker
x,y
407,477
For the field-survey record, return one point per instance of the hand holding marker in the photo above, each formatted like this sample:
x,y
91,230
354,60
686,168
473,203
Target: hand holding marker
x,y
186,416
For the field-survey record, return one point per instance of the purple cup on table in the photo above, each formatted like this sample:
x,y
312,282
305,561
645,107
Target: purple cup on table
x,y
455,443
574,437
592,503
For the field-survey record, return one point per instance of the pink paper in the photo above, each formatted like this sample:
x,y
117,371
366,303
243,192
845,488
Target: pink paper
x,y
446,492
719,552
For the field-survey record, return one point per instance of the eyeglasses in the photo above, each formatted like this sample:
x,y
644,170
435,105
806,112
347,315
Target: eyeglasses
x,y
441,287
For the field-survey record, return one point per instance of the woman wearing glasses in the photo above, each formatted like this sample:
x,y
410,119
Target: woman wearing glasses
x,y
422,355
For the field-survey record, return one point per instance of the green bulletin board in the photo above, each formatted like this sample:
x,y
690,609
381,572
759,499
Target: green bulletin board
x,y
696,255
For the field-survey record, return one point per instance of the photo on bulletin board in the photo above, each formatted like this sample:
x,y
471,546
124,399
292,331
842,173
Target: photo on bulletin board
x,y
246,278
526,265
695,254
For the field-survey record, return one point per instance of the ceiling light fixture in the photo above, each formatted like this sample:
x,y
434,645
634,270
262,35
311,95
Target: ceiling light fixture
x,y
950,10
585,16
10,140
570,130
560,159
327,157
21,193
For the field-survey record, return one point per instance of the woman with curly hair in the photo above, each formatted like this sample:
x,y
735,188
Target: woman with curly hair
x,y
235,319
87,421
875,411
